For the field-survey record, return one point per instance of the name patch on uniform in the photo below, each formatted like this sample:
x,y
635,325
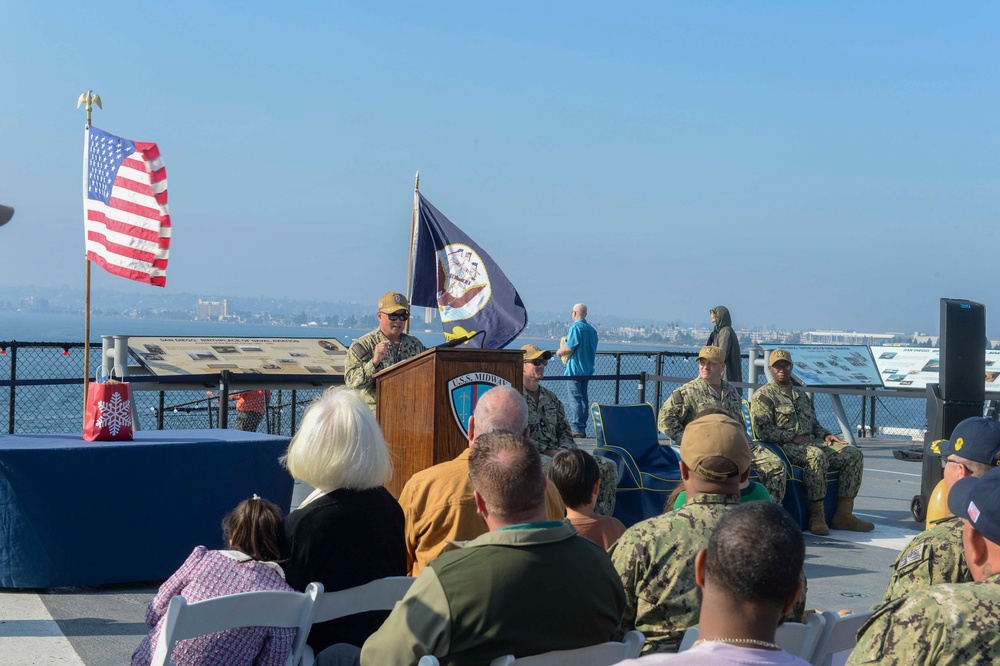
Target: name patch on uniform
x,y
464,392
913,555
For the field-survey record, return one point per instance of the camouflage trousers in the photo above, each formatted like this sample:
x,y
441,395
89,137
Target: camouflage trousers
x,y
770,470
814,461
609,483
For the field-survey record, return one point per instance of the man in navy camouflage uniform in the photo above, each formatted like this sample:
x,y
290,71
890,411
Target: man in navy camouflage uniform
x,y
384,347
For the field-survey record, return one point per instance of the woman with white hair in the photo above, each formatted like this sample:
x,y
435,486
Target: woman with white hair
x,y
349,531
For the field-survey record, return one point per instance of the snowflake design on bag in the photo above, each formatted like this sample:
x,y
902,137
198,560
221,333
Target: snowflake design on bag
x,y
114,413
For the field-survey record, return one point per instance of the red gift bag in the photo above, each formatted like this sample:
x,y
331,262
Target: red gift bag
x,y
109,412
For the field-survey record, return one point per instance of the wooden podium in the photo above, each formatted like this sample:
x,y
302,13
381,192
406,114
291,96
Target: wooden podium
x,y
420,401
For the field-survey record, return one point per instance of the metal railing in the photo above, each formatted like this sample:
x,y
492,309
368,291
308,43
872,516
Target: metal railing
x,y
41,392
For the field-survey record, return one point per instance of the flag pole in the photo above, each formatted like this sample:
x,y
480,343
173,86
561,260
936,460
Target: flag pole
x,y
88,98
413,229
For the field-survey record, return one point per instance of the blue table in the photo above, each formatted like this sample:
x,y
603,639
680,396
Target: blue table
x,y
76,513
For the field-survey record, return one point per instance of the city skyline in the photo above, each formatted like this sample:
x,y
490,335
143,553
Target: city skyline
x,y
834,164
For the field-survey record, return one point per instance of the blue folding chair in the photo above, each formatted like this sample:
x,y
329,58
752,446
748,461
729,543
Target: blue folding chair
x,y
648,471
796,500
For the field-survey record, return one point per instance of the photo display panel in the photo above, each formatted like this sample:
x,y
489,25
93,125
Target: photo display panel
x,y
830,365
916,367
265,356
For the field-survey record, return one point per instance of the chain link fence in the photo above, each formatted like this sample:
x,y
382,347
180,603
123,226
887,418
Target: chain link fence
x,y
41,391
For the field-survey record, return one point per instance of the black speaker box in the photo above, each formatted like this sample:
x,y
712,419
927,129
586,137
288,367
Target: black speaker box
x,y
963,351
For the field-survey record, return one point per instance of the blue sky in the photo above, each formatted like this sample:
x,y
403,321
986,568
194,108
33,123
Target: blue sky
x,y
806,164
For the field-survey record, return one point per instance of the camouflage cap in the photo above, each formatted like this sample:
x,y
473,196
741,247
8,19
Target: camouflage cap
x,y
976,438
712,354
779,355
393,302
715,436
977,499
531,353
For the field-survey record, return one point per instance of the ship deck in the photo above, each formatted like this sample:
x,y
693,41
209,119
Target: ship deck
x,y
98,626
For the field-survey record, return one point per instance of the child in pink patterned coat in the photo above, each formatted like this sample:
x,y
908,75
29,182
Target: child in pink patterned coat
x,y
251,530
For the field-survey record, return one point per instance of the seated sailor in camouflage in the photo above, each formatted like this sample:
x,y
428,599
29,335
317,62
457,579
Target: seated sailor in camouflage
x,y
952,623
655,558
784,416
711,390
549,430
936,555
382,348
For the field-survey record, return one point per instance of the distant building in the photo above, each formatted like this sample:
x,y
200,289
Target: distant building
x,y
846,338
216,310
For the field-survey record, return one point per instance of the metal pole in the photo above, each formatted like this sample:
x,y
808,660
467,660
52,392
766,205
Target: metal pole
x,y
294,405
659,372
159,415
864,404
224,399
642,388
13,376
618,372
871,415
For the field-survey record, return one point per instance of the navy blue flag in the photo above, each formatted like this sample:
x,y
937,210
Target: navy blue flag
x,y
454,275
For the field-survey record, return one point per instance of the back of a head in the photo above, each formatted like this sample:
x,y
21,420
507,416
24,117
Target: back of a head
x,y
501,409
581,310
715,447
252,528
506,470
339,445
756,553
574,473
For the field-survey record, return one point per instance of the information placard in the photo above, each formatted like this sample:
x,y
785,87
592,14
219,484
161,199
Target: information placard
x,y
830,365
266,356
916,367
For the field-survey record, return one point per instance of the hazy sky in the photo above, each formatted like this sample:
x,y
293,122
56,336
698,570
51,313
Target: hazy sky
x,y
806,164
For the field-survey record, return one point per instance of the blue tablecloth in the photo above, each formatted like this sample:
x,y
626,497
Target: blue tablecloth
x,y
75,513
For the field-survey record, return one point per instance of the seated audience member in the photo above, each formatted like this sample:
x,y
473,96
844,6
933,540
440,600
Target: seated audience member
x,y
251,532
951,623
437,502
749,579
549,430
655,557
784,415
528,586
575,474
709,391
349,531
750,491
936,556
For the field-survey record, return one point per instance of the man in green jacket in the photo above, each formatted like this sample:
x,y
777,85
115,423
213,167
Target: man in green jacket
x,y
484,600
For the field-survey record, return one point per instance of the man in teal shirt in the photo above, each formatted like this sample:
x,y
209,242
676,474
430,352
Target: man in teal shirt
x,y
578,351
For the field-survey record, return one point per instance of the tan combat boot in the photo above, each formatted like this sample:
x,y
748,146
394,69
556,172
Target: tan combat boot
x,y
817,519
844,518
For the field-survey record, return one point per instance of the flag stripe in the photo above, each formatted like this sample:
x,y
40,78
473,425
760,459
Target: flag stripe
x,y
129,235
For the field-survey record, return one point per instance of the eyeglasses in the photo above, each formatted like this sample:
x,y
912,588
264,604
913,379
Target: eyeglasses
x,y
538,362
401,316
945,461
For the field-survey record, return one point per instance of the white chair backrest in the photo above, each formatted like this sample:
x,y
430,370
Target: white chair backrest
x,y
377,595
381,594
603,654
248,609
428,660
840,635
795,638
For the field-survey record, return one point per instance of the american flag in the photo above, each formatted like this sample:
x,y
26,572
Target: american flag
x,y
127,222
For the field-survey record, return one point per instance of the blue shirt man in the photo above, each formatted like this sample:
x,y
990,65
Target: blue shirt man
x,y
578,350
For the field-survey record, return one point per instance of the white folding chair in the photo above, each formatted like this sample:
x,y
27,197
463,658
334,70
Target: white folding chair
x,y
603,654
795,638
377,595
248,609
840,635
